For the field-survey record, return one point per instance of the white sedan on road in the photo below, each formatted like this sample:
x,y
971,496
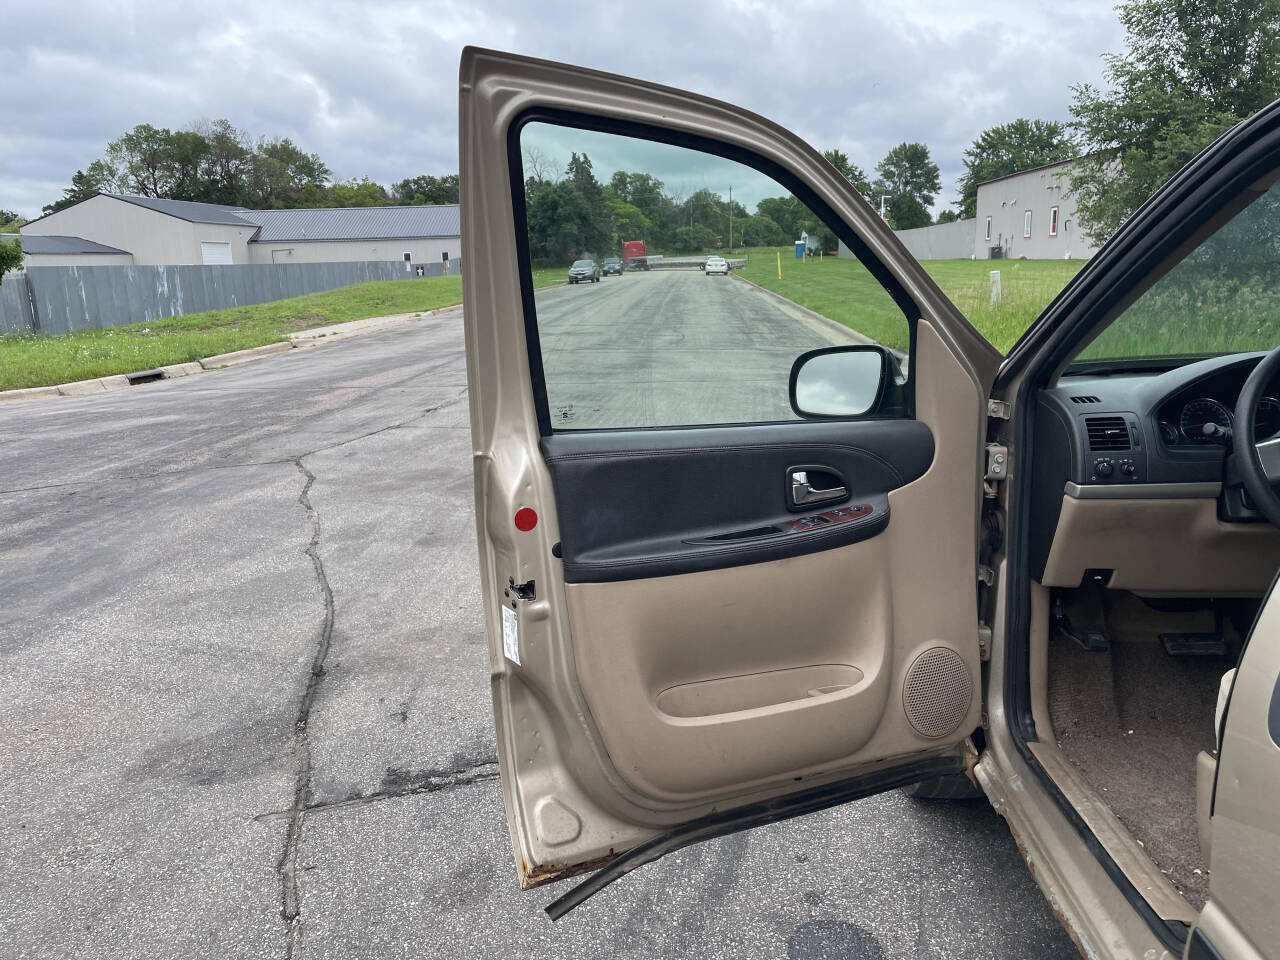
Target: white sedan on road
x,y
717,265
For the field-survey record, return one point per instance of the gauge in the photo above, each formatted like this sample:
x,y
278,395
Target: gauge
x,y
1266,422
1205,421
1168,432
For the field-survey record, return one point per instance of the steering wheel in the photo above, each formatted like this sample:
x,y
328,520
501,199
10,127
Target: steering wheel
x,y
1248,462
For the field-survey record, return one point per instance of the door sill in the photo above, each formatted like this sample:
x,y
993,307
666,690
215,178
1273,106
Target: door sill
x,y
1152,885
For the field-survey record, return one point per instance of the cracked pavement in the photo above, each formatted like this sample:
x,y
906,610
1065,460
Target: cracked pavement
x,y
245,698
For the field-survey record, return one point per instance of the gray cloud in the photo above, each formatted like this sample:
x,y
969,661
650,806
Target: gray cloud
x,y
372,87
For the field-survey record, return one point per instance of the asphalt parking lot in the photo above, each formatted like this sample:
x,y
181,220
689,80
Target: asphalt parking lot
x,y
671,347
244,690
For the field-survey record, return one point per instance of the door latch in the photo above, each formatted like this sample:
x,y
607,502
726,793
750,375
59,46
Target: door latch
x,y
519,591
997,462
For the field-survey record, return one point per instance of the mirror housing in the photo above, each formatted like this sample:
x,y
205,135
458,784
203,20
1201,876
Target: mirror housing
x,y
833,383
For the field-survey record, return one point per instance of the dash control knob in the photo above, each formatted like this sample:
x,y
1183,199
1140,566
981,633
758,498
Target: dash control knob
x,y
1104,468
1128,469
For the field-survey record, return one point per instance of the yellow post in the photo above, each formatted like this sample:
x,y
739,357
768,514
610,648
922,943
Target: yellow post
x,y
779,264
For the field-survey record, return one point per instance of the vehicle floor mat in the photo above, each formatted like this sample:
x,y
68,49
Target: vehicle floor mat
x,y
1132,722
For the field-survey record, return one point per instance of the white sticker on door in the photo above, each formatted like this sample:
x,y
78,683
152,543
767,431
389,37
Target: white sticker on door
x,y
510,636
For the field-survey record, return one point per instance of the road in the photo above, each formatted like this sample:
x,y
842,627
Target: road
x,y
668,348
243,676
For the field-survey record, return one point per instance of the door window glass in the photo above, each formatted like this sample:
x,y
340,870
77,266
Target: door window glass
x,y
666,334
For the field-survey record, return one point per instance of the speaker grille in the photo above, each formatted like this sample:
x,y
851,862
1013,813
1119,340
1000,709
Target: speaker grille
x,y
936,692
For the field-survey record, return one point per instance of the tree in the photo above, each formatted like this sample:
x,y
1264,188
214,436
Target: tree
x,y
761,231
426,190
84,184
355,193
1009,148
694,239
629,222
947,215
212,162
850,171
226,165
10,256
596,229
10,221
280,171
142,160
645,193
911,180
188,152
1194,68
790,215
537,168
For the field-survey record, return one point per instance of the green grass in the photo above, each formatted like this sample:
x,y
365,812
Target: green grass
x,y
549,276
33,361
844,291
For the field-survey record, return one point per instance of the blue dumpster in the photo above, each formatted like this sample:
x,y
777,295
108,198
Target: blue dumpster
x,y
800,245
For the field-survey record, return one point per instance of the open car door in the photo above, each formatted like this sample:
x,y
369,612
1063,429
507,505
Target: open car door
x,y
728,546
1240,919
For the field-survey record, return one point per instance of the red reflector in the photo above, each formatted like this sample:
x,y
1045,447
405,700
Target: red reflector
x,y
526,519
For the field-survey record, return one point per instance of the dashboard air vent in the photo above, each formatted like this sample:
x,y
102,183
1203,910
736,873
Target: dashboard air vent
x,y
1107,433
1085,399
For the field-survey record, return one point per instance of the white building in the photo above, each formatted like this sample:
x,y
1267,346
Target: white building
x,y
148,230
1030,215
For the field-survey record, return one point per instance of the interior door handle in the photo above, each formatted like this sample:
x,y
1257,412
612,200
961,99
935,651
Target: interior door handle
x,y
804,493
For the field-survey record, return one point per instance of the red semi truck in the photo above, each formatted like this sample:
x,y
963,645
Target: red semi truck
x,y
634,256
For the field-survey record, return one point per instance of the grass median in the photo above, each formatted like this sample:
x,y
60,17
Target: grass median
x,y
844,291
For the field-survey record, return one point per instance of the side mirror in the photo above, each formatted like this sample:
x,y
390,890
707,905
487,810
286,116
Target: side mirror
x,y
840,381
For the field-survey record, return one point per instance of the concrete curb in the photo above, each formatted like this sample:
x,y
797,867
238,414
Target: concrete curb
x,y
303,338
837,333
27,393
180,370
341,331
244,356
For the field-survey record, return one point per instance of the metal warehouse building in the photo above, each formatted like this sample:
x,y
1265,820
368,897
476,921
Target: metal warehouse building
x,y
148,230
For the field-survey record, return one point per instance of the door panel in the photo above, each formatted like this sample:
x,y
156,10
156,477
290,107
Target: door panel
x,y
662,660
657,503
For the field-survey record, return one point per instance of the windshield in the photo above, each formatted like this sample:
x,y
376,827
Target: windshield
x,y
580,263
1223,297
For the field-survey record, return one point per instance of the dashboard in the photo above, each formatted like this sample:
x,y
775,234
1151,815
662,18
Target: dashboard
x,y
1171,426
1127,482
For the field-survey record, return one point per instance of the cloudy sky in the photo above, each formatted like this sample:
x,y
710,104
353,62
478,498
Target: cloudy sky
x,y
371,86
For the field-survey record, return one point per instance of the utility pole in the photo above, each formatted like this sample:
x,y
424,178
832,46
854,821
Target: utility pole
x,y
731,219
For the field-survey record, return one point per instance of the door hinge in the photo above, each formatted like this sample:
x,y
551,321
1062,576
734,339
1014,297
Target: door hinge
x,y
519,591
984,642
999,409
997,462
986,574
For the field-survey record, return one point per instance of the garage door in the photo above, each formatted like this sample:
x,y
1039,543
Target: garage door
x,y
215,252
